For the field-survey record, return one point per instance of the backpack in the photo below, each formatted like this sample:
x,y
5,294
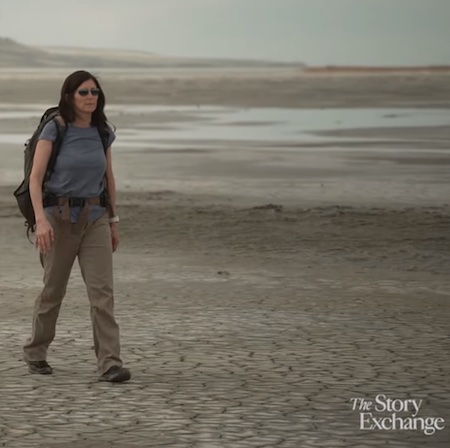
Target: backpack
x,y
22,193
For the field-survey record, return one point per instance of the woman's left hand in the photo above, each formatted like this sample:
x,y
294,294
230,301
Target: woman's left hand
x,y
114,236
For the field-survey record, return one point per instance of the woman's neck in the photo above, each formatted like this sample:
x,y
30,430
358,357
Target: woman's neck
x,y
82,121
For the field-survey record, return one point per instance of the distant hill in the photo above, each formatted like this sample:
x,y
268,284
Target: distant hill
x,y
16,55
372,70
13,54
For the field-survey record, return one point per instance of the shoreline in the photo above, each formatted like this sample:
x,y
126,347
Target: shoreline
x,y
276,88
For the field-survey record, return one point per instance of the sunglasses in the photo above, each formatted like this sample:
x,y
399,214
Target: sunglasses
x,y
85,92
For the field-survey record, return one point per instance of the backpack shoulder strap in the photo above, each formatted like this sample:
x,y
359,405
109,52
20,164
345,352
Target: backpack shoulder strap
x,y
105,132
61,128
105,141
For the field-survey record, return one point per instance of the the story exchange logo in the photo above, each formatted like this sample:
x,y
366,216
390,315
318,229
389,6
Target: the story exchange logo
x,y
384,413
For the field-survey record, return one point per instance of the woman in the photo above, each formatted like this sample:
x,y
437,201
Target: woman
x,y
76,218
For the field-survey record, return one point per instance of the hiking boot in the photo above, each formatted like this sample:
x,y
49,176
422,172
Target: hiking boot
x,y
40,367
116,374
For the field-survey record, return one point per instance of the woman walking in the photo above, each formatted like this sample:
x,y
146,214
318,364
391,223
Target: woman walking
x,y
75,218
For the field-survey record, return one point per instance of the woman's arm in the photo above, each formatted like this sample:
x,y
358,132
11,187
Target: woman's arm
x,y
41,157
44,231
111,188
110,183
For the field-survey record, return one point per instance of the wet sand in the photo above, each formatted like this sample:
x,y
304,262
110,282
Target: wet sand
x,y
347,225
288,88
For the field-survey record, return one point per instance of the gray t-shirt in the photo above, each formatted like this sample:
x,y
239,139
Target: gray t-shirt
x,y
80,166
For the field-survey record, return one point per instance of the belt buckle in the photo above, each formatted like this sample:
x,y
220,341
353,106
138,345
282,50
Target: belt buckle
x,y
76,202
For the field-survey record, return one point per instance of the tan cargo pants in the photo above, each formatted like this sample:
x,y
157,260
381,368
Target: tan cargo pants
x,y
92,244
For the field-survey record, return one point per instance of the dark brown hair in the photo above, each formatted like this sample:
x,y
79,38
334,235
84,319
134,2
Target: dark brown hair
x,y
68,89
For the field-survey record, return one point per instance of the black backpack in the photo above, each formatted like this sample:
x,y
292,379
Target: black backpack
x,y
22,193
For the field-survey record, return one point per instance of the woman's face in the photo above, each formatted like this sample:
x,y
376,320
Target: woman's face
x,y
85,97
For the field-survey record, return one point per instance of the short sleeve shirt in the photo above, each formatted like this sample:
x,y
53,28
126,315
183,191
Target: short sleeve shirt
x,y
80,167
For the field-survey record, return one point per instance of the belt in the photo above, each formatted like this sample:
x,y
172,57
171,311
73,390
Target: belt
x,y
50,201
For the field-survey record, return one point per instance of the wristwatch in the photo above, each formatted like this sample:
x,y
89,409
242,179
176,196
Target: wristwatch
x,y
113,219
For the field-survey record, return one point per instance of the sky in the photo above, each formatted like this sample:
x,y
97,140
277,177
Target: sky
x,y
316,32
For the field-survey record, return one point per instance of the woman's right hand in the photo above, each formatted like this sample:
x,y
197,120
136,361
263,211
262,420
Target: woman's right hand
x,y
44,235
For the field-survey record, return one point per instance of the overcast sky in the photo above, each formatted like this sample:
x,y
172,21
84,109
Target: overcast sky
x,y
312,31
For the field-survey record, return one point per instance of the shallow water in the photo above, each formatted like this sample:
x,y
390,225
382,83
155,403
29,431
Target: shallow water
x,y
247,153
279,125
212,124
